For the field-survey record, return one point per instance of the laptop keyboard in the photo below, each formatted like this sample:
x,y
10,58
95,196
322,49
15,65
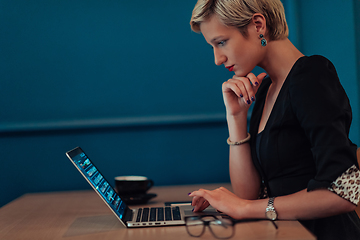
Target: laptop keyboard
x,y
158,214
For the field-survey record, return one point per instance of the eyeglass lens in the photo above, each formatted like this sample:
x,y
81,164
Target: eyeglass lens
x,y
195,227
220,228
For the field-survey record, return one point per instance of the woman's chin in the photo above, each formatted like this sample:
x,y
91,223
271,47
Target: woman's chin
x,y
240,73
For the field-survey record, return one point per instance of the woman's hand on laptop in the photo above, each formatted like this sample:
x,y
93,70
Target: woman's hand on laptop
x,y
221,199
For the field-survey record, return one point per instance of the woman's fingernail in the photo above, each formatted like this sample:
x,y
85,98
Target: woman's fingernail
x,y
253,99
248,101
256,83
241,95
189,193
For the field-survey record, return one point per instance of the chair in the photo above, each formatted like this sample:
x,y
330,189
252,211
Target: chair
x,y
358,158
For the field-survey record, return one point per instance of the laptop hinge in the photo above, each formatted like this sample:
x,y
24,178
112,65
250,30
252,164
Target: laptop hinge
x,y
128,215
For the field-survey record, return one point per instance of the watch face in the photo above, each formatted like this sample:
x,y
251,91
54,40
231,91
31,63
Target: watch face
x,y
271,214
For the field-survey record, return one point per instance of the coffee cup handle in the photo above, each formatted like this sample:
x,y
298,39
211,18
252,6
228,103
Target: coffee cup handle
x,y
150,184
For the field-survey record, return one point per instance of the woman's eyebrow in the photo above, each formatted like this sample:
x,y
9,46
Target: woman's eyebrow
x,y
216,39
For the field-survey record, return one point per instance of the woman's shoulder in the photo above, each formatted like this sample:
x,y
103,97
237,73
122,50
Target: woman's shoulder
x,y
313,65
315,71
314,83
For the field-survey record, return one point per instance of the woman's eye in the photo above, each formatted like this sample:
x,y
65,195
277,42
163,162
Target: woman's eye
x,y
222,43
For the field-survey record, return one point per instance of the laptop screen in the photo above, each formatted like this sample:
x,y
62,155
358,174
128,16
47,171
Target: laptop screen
x,y
97,181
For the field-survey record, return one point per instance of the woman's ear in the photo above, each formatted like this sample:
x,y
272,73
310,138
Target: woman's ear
x,y
259,22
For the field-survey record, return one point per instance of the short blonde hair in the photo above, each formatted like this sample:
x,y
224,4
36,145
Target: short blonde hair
x,y
239,13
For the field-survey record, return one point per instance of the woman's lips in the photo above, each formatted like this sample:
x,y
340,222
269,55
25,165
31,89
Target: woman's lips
x,y
230,68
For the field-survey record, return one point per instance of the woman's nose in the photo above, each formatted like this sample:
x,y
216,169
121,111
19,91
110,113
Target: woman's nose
x,y
219,57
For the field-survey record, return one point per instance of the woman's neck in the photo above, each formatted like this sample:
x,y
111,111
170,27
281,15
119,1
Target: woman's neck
x,y
280,57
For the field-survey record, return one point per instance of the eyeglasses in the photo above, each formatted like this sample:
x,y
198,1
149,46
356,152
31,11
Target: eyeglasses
x,y
222,228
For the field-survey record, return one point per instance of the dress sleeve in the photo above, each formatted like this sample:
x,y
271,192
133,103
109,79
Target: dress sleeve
x,y
347,185
323,111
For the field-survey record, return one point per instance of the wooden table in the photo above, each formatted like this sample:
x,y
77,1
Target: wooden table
x,y
83,215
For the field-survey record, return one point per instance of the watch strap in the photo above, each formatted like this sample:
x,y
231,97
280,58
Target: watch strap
x,y
271,203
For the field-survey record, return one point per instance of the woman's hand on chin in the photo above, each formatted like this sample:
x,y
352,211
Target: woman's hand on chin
x,y
239,92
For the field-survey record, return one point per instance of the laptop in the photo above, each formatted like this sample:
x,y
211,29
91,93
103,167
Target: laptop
x,y
137,217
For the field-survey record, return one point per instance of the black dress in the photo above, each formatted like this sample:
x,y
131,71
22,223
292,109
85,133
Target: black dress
x,y
305,143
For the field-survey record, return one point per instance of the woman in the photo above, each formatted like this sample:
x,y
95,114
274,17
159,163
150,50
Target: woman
x,y
293,162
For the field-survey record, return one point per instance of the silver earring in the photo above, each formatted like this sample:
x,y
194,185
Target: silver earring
x,y
263,40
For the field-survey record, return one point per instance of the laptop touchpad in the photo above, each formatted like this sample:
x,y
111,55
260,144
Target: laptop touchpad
x,y
188,211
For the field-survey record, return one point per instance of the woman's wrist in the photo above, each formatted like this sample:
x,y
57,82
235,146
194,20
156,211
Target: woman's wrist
x,y
237,125
240,115
255,209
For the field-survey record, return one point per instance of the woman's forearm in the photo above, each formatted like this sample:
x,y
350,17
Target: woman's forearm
x,y
302,205
244,177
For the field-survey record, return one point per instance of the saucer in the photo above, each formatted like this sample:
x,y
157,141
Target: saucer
x,y
137,198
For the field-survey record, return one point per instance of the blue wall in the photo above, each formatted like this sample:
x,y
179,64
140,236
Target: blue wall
x,y
132,85
128,81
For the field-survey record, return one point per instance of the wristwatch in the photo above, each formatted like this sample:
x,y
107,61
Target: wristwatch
x,y
270,212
